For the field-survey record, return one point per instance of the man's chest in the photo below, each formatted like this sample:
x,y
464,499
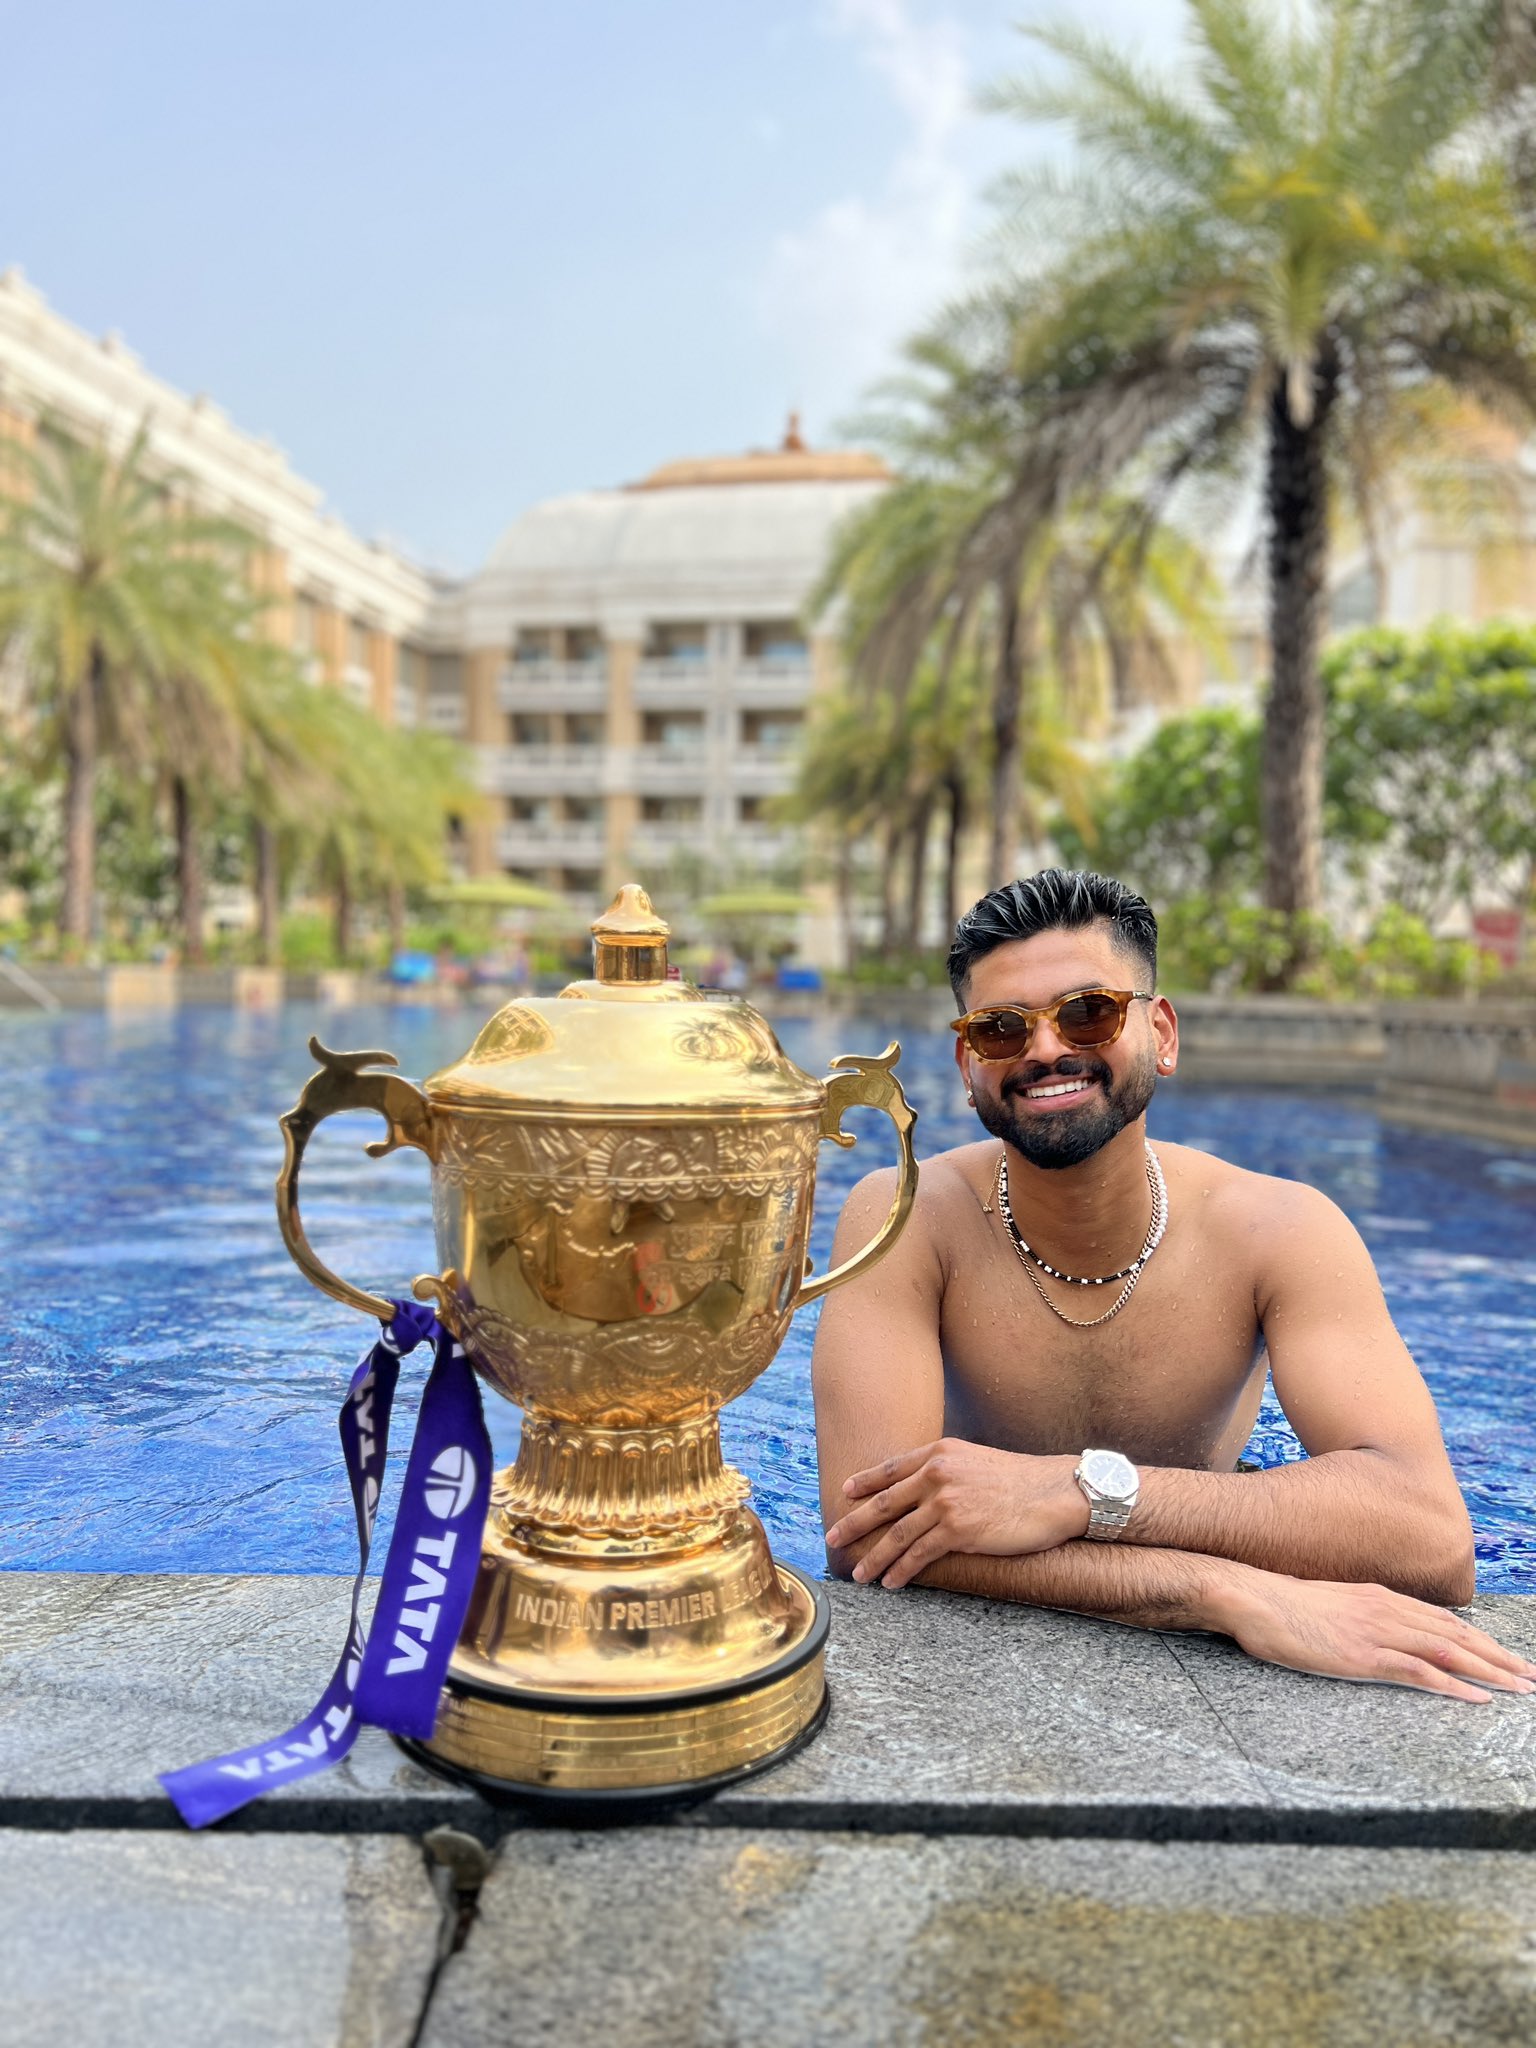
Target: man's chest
x,y
1161,1380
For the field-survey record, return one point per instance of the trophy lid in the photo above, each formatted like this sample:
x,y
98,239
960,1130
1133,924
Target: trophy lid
x,y
627,1039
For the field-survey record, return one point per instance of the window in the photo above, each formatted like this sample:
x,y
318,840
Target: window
x,y
584,810
773,732
306,624
357,644
750,811
584,728
672,810
773,640
533,643
529,810
528,729
671,642
680,732
580,881
583,643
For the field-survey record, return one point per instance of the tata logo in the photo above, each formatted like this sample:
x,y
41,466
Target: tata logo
x,y
449,1490
451,1483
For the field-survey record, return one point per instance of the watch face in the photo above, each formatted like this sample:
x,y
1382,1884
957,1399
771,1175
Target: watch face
x,y
1108,1472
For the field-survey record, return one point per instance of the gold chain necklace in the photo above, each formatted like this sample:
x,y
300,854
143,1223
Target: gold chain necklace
x,y
1132,1272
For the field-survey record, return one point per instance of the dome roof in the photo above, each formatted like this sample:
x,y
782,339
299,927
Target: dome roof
x,y
714,517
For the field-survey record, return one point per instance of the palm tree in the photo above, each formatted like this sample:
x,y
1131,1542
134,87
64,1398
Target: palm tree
x,y
965,571
104,578
1256,261
392,797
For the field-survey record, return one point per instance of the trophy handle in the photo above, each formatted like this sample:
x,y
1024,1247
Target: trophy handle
x,y
341,1084
867,1079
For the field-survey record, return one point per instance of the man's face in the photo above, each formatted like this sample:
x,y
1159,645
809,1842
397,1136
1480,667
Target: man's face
x,y
1112,1083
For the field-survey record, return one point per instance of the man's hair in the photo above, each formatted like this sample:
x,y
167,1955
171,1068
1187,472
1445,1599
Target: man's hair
x,y
1056,900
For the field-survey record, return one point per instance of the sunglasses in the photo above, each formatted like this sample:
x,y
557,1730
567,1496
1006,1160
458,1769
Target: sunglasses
x,y
1093,1017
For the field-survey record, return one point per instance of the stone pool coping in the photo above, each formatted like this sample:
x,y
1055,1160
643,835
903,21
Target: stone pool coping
x,y
1015,1825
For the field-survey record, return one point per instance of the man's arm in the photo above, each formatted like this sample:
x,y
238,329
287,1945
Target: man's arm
x,y
1375,1497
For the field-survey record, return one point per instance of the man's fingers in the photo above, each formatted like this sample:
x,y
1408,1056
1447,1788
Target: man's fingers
x,y
901,1466
1465,1660
879,1558
882,1507
1399,1667
925,1551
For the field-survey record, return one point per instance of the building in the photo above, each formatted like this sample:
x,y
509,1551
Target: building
x,y
361,615
638,667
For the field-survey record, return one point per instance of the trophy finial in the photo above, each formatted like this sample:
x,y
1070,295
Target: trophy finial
x,y
629,939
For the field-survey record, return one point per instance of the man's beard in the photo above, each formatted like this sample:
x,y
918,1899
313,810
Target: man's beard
x,y
1066,1137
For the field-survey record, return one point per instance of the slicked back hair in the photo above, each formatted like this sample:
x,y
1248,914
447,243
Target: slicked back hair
x,y
1056,900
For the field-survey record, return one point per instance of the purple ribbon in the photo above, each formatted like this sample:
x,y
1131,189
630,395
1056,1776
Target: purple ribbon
x,y
390,1674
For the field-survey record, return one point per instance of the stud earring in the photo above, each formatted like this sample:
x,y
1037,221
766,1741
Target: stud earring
x,y
970,1098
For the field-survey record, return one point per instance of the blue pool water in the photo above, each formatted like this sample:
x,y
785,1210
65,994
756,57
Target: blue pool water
x,y
168,1382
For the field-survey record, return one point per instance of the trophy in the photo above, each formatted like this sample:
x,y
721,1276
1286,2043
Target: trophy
x,y
622,1179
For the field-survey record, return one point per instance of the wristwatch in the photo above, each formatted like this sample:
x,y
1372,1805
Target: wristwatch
x,y
1111,1484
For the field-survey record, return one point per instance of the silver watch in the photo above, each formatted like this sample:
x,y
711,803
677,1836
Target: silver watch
x,y
1111,1484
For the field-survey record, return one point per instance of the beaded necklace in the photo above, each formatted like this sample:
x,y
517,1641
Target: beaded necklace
x,y
1029,1258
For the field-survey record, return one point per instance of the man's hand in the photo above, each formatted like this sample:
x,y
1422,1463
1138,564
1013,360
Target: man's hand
x,y
1365,1633
957,1496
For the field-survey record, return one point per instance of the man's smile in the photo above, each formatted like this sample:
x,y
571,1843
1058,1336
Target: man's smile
x,y
1059,1094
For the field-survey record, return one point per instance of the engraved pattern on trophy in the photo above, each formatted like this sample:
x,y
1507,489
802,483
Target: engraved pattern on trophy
x,y
733,1035
514,1033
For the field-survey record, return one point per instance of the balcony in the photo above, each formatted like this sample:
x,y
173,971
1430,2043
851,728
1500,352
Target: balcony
x,y
657,838
553,686
780,684
666,685
529,843
762,771
670,770
510,771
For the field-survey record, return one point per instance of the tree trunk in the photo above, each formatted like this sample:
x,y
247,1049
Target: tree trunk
x,y
189,874
269,900
955,788
342,928
847,918
1291,778
80,748
1007,698
891,840
396,913
917,869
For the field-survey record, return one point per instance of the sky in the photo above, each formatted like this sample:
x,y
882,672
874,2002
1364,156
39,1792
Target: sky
x,y
457,259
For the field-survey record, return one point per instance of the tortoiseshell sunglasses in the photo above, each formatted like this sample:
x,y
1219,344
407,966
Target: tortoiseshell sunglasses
x,y
1092,1018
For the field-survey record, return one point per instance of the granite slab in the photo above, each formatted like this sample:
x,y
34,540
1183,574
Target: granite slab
x,y
671,1939
948,1715
149,1940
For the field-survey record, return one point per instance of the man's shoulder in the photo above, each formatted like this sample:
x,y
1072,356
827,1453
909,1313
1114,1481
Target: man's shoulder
x,y
1242,1199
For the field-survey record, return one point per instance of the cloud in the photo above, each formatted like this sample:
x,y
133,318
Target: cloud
x,y
843,291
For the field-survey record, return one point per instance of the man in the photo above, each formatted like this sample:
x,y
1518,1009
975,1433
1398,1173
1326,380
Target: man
x,y
1042,1392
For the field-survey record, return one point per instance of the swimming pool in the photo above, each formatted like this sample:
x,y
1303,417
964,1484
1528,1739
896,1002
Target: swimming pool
x,y
169,1382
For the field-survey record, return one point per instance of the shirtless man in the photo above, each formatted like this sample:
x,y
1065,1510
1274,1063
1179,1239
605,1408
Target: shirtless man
x,y
1033,1307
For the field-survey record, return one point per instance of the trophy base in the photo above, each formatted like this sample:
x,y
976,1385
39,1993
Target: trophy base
x,y
621,1755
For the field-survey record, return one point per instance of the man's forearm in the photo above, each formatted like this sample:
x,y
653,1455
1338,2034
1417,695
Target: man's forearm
x,y
1146,1588
1343,1515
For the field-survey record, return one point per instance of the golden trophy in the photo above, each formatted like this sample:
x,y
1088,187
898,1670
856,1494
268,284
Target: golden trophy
x,y
622,1180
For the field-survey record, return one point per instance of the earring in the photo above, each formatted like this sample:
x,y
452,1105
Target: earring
x,y
970,1098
